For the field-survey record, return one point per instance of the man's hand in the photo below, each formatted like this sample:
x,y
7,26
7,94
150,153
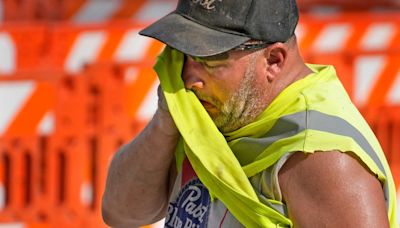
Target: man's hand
x,y
164,117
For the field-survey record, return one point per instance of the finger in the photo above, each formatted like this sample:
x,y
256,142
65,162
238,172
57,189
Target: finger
x,y
161,99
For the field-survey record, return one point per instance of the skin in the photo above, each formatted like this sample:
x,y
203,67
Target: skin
x,y
234,105
335,191
234,90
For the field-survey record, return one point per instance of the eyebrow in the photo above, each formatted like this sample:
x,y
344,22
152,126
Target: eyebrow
x,y
218,57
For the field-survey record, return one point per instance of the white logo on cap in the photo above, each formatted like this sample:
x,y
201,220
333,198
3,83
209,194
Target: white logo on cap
x,y
206,4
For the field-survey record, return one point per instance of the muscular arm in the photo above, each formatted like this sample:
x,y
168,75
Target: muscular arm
x,y
331,189
140,175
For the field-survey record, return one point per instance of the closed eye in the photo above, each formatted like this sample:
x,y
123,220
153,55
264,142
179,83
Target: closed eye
x,y
212,64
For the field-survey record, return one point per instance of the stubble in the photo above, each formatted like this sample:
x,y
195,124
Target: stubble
x,y
244,105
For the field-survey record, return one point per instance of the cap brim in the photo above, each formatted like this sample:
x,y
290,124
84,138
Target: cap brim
x,y
190,37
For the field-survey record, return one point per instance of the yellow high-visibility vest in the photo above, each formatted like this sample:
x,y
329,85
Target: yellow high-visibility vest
x,y
312,114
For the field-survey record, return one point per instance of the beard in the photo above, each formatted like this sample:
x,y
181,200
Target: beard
x,y
243,106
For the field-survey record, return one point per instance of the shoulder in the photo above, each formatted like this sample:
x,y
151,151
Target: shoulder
x,y
334,187
325,169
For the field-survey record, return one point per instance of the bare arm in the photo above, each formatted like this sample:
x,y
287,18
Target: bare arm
x,y
332,189
141,173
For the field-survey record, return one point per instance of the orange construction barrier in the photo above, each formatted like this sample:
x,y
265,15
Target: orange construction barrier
x,y
71,95
20,10
20,170
367,65
83,11
22,47
349,5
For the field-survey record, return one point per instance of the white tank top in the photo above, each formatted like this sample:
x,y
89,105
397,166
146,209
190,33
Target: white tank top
x,y
191,206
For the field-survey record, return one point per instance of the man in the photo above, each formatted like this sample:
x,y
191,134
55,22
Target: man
x,y
293,150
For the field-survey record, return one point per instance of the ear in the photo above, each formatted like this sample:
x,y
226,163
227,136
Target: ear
x,y
276,56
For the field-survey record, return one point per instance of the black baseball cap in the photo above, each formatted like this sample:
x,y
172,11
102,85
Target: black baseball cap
x,y
210,27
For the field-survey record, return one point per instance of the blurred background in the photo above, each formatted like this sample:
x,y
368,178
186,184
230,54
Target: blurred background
x,y
76,82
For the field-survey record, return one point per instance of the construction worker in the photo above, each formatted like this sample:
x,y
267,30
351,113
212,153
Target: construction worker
x,y
246,134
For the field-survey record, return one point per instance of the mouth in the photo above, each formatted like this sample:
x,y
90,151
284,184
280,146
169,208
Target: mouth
x,y
207,102
207,105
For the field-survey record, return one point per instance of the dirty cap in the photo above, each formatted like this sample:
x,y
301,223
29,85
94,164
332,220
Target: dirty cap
x,y
210,27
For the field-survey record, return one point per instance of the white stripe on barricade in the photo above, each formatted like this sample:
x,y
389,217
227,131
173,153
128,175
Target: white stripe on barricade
x,y
394,93
7,54
13,96
378,36
46,125
131,75
153,10
12,225
366,73
2,196
332,38
132,47
85,50
300,32
149,104
86,194
97,11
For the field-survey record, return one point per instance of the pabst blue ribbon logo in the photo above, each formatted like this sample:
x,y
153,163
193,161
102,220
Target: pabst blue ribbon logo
x,y
191,207
206,4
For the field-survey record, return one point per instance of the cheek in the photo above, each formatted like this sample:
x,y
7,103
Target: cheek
x,y
227,83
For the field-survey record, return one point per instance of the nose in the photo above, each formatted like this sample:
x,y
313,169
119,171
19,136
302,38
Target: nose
x,y
192,74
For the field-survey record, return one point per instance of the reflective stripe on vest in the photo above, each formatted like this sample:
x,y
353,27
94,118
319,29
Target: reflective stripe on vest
x,y
293,124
